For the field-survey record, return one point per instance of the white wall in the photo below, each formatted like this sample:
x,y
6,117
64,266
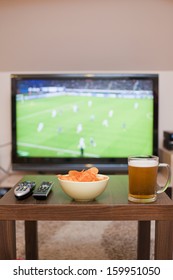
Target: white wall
x,y
92,35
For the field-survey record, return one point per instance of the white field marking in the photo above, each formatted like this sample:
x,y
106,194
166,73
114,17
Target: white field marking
x,y
55,149
67,107
40,113
34,114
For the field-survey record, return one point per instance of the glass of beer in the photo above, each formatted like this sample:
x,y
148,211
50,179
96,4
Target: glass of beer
x,y
143,173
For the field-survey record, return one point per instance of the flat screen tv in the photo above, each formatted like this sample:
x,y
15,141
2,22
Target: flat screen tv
x,y
74,121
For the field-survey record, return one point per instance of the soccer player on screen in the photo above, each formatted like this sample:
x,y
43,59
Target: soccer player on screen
x,y
79,128
82,146
40,127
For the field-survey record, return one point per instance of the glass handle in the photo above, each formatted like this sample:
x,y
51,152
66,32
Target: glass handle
x,y
165,165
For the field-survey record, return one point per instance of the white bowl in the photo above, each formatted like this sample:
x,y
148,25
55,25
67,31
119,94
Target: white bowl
x,y
84,191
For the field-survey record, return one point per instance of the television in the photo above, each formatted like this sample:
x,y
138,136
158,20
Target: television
x,y
74,121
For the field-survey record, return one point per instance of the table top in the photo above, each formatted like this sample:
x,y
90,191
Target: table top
x,y
112,204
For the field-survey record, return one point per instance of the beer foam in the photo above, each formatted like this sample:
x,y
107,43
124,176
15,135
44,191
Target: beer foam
x,y
143,163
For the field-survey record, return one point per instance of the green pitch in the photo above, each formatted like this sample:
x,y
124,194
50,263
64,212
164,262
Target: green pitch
x,y
110,127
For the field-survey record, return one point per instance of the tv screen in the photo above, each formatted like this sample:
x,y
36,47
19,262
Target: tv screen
x,y
74,121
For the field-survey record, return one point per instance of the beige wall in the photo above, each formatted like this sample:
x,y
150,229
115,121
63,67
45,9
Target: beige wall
x,y
92,35
68,35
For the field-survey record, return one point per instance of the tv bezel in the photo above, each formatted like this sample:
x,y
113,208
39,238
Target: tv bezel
x,y
63,165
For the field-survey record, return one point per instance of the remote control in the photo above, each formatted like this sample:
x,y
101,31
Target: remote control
x,y
24,189
43,190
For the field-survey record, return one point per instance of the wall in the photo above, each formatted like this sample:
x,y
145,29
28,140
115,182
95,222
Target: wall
x,y
93,35
63,35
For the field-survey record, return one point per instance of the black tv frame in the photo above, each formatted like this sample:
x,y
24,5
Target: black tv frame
x,y
63,165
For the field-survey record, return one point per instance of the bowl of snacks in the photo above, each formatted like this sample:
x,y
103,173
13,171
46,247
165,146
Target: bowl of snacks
x,y
83,185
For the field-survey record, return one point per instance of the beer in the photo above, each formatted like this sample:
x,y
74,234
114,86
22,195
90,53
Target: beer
x,y
143,171
143,179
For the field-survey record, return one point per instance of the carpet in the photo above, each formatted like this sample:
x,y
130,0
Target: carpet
x,y
79,240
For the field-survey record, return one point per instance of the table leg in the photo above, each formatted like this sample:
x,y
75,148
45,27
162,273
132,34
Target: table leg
x,y
164,240
7,240
31,240
143,249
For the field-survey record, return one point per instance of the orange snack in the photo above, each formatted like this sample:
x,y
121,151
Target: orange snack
x,y
88,175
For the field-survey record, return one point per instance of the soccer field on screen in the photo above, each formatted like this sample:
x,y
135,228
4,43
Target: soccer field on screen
x,y
109,127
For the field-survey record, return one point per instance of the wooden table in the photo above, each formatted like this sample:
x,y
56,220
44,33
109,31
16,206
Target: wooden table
x,y
112,205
